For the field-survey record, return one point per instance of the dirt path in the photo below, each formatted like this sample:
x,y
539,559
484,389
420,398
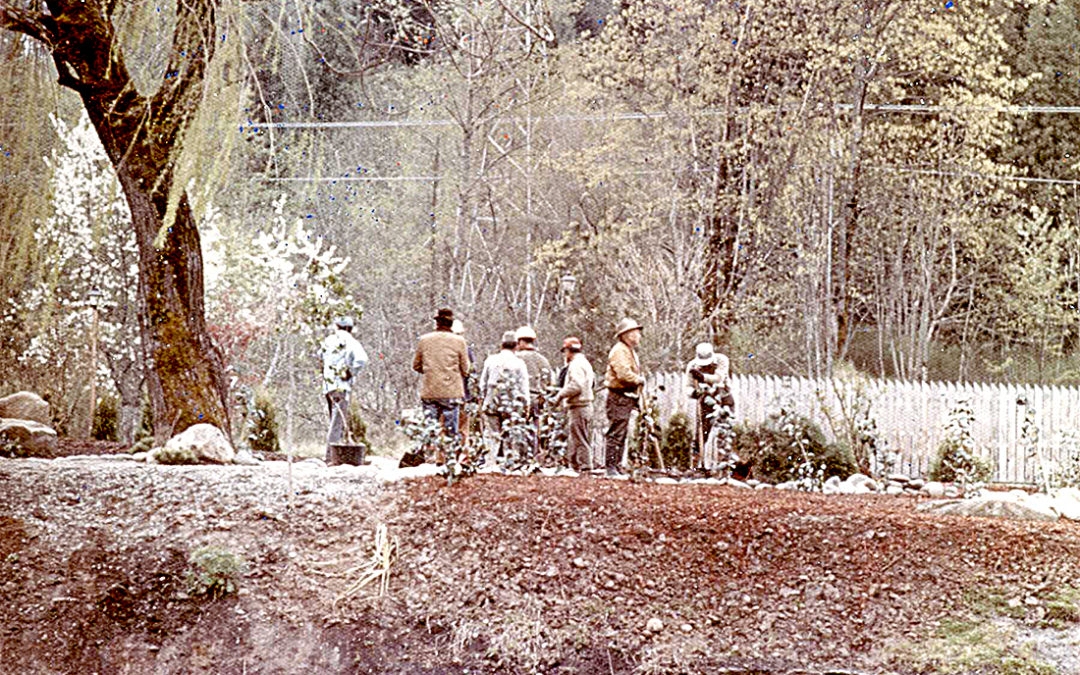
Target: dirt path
x,y
512,574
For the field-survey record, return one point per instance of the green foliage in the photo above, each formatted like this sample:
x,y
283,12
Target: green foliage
x,y
956,460
144,435
167,455
9,447
105,419
789,447
971,646
645,437
677,441
357,427
262,423
214,572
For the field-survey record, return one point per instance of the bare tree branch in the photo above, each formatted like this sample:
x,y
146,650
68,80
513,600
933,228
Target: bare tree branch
x,y
36,25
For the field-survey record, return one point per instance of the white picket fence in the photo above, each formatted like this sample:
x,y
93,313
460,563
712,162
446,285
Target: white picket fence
x,y
912,416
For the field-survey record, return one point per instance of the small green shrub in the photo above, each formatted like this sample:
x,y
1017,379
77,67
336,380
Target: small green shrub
x,y
357,427
780,449
168,455
144,435
677,440
954,463
10,447
105,419
263,426
215,572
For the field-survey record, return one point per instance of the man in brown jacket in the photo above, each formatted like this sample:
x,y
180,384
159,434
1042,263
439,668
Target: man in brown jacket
x,y
623,381
577,395
443,359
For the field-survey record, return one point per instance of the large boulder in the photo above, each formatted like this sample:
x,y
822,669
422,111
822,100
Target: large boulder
x,y
205,441
30,438
25,405
994,505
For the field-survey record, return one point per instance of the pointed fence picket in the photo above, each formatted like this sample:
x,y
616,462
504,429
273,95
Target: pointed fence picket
x,y
910,416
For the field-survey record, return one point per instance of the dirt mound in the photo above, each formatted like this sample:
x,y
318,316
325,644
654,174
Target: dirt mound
x,y
510,574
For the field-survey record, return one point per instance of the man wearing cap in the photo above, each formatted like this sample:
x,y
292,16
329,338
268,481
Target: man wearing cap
x,y
708,380
443,359
539,375
342,357
577,395
504,383
623,380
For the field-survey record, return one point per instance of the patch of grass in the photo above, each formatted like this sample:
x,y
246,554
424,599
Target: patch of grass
x,y
992,602
971,646
1062,608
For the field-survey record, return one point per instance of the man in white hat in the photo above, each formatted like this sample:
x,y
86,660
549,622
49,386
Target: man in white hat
x,y
708,378
539,376
504,384
343,357
623,380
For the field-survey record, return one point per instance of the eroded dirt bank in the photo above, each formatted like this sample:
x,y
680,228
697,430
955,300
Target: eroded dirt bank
x,y
509,574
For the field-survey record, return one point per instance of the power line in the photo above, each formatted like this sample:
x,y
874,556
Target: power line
x,y
637,116
874,167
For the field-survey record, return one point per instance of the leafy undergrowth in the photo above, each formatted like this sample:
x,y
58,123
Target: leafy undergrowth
x,y
511,575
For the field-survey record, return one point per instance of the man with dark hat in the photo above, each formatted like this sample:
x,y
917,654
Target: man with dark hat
x,y
623,380
443,359
577,395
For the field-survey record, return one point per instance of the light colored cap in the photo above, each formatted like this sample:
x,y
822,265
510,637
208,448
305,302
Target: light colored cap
x,y
457,328
626,325
704,351
509,338
525,333
572,343
343,322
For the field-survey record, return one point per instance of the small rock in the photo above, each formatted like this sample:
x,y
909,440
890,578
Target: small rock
x,y
1031,601
764,486
686,628
737,483
894,490
579,562
952,492
934,489
916,483
899,477
654,625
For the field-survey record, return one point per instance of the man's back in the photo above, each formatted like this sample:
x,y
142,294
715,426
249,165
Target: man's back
x,y
538,367
342,357
443,358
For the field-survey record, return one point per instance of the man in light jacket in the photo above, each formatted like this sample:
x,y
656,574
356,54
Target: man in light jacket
x,y
623,380
343,357
443,359
577,395
504,384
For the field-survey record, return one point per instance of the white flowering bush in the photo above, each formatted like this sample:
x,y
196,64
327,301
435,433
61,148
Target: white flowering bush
x,y
86,243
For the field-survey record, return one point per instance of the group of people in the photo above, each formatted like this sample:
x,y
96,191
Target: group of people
x,y
513,383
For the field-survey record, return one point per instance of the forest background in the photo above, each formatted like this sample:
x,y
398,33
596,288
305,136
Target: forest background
x,y
889,186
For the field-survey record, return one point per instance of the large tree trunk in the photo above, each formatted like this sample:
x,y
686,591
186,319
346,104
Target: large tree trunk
x,y
142,136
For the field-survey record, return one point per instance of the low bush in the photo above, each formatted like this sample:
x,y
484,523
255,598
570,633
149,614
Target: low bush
x,y
105,419
677,438
169,455
790,447
954,463
262,425
215,572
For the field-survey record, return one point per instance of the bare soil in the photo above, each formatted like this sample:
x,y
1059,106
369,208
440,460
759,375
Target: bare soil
x,y
500,574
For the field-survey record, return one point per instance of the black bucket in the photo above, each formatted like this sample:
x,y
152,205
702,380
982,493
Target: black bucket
x,y
347,454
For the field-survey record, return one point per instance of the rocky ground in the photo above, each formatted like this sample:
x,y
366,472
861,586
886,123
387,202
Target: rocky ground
x,y
500,574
